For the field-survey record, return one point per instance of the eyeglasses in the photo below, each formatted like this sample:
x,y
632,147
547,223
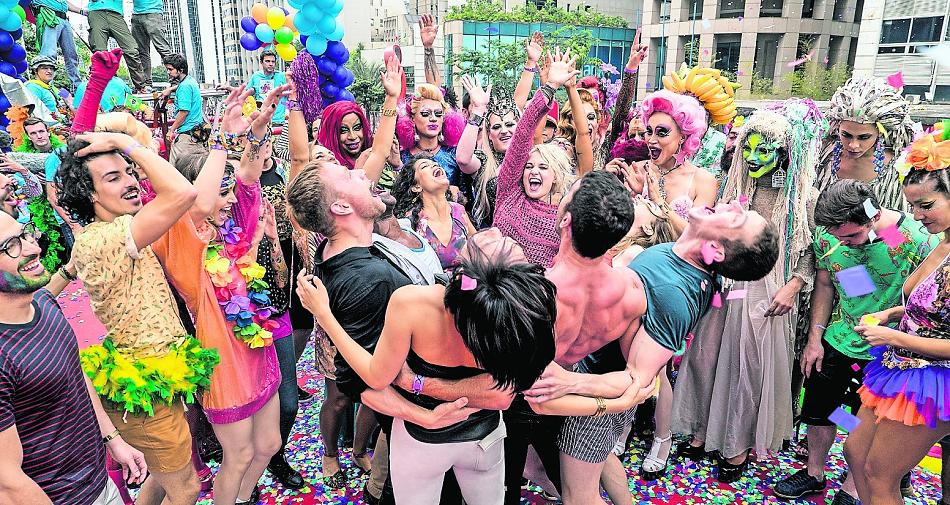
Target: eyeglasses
x,y
13,246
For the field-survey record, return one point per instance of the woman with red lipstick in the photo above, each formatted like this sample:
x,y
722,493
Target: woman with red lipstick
x,y
870,122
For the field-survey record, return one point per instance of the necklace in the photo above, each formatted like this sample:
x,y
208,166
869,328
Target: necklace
x,y
878,158
429,152
662,181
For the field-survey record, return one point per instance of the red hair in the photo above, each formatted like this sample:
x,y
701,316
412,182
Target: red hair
x,y
329,134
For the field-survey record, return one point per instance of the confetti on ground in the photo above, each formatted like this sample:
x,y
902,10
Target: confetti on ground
x,y
686,483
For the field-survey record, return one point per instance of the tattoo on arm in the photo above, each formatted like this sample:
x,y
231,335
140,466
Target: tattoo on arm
x,y
431,67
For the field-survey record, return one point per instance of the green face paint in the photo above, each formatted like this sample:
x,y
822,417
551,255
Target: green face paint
x,y
761,154
15,282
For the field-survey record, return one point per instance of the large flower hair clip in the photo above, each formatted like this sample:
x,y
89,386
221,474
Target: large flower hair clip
x,y
932,151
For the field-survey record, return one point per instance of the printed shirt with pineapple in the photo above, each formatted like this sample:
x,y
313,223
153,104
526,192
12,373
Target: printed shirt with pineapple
x,y
887,266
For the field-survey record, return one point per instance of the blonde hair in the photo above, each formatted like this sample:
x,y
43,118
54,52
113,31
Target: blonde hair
x,y
427,91
489,172
558,162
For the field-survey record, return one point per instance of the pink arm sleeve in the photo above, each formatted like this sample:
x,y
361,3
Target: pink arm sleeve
x,y
103,69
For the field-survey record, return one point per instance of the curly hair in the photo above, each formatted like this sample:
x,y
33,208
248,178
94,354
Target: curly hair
x,y
688,114
409,202
75,186
870,100
565,124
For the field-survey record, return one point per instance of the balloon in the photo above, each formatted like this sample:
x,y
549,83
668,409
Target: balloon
x,y
6,41
4,103
15,54
303,40
275,17
337,51
323,4
259,13
284,35
337,34
338,75
249,41
248,24
20,13
8,69
296,4
348,79
289,22
311,11
325,66
326,25
4,121
345,96
21,66
304,24
316,45
264,34
286,12
17,34
287,52
12,23
335,9
329,89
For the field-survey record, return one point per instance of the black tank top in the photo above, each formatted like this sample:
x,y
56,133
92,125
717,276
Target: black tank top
x,y
476,427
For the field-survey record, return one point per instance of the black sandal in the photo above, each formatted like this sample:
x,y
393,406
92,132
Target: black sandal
x,y
359,468
689,451
728,473
339,479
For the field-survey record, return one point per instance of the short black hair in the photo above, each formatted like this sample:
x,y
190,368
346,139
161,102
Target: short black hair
x,y
507,319
267,53
601,213
752,261
940,178
177,61
75,187
842,202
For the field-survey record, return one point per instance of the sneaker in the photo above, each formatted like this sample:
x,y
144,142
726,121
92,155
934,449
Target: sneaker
x,y
797,485
842,498
303,396
907,487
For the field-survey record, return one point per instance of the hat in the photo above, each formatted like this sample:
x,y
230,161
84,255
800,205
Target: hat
x,y
553,114
41,61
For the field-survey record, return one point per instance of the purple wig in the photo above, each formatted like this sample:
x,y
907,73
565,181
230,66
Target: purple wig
x,y
686,111
329,134
630,150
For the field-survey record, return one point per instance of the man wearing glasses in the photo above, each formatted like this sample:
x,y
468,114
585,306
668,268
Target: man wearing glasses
x,y
41,86
52,425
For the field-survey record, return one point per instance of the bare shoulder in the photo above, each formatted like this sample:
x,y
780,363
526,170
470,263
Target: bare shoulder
x,y
417,297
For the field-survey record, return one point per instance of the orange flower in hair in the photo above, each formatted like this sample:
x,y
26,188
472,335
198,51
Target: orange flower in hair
x,y
932,151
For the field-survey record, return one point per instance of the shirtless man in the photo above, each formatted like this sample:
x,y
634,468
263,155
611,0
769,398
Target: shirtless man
x,y
667,289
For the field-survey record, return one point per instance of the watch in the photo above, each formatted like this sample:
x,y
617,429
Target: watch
x,y
417,382
476,120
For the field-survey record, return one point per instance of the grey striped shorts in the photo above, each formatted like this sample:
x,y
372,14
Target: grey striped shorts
x,y
590,439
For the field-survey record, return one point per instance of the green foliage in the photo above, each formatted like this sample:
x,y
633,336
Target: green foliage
x,y
814,81
501,63
488,10
159,74
366,87
62,78
761,85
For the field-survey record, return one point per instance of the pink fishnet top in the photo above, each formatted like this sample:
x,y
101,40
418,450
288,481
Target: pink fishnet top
x,y
531,223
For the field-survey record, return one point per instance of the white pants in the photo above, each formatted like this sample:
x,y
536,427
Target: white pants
x,y
418,468
109,495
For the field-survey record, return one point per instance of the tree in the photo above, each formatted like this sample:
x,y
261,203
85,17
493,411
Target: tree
x,y
366,87
488,10
62,78
159,73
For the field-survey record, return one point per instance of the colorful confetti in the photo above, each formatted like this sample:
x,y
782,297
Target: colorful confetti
x,y
896,79
844,420
892,236
856,281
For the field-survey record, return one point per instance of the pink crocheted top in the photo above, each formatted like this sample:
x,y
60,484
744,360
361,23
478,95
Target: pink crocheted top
x,y
532,223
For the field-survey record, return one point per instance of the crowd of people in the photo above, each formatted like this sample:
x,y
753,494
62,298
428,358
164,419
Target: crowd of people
x,y
498,281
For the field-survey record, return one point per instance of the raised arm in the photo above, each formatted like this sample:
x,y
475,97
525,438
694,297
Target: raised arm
x,y
533,49
478,108
103,67
583,144
383,141
252,163
428,30
297,126
16,486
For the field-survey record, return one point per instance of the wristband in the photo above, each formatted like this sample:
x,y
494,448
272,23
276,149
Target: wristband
x,y
475,120
293,104
66,275
127,152
630,72
417,383
548,91
388,112
110,437
534,70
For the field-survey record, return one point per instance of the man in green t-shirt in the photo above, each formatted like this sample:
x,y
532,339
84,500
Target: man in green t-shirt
x,y
863,255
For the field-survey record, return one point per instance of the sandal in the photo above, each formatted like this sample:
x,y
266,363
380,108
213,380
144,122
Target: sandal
x,y
339,478
801,450
360,468
728,473
690,451
653,466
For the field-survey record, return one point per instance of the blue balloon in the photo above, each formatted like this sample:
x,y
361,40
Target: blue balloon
x,y
4,121
296,4
304,24
316,45
337,34
17,34
326,25
335,9
249,42
248,24
303,40
16,54
4,103
8,69
310,11
21,66
323,4
345,96
347,80
6,41
11,23
330,90
326,67
321,79
337,52
339,75
264,33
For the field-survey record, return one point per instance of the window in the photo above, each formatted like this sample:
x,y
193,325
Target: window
x,y
926,29
695,9
895,31
731,8
727,51
771,9
858,11
808,9
660,45
766,53
891,49
838,13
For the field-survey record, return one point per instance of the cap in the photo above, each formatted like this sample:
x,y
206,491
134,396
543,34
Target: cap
x,y
41,61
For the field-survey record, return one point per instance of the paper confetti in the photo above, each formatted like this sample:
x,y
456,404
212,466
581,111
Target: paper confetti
x,y
736,294
896,79
795,63
869,208
869,320
844,420
856,281
743,199
872,236
717,300
856,367
892,236
832,250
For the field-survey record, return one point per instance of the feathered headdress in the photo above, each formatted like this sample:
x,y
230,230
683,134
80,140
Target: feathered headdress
x,y
715,92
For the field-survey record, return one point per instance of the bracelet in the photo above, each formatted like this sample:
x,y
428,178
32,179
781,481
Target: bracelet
x,y
630,72
127,152
293,104
417,383
534,70
548,91
388,112
601,406
475,120
66,275
230,141
111,436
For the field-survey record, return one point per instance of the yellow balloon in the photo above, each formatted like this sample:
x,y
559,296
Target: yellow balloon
x,y
275,17
287,52
259,13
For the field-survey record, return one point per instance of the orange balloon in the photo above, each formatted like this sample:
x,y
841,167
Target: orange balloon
x,y
289,22
259,13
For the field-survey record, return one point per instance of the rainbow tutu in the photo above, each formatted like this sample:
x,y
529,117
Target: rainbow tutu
x,y
912,391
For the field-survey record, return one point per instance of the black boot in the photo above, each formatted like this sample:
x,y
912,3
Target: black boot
x,y
283,472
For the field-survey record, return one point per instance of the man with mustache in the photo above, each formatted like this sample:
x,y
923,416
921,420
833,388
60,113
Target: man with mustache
x,y
52,425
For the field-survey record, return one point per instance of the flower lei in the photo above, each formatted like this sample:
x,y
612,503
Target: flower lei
x,y
246,306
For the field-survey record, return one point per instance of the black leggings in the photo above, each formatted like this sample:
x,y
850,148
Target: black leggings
x,y
527,428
